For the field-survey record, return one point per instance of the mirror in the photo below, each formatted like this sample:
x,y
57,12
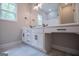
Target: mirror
x,y
49,13
51,10
55,14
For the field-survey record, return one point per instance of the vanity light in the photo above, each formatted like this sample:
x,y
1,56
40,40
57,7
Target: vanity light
x,y
66,3
40,5
50,9
37,6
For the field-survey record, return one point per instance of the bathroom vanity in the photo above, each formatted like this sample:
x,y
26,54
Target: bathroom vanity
x,y
59,18
67,21
34,37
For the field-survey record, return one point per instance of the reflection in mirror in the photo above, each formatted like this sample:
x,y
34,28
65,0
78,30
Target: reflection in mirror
x,y
47,13
52,15
39,19
67,13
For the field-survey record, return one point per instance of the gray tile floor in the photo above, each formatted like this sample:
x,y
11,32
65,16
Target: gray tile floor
x,y
26,50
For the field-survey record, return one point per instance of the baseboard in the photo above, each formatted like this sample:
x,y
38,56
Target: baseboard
x,y
65,49
6,46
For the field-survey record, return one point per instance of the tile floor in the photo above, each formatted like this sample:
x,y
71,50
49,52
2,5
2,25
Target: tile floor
x,y
26,50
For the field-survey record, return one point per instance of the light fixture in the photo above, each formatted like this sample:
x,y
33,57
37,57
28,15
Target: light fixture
x,y
66,3
40,5
49,9
37,6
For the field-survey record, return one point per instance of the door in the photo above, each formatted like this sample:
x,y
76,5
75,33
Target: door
x,y
77,13
67,14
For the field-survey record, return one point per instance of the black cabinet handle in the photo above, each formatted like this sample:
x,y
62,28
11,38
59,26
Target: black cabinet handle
x,y
23,34
61,29
36,37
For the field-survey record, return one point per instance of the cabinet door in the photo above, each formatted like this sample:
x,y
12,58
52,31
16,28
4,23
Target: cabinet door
x,y
34,38
41,41
38,38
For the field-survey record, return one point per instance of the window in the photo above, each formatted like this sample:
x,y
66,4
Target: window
x,y
39,17
8,11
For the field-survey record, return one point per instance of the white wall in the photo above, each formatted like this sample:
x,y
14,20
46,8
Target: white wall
x,y
11,31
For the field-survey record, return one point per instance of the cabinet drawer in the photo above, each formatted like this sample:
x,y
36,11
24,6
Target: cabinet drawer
x,y
37,30
62,29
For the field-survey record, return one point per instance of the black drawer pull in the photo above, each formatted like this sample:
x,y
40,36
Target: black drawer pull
x,y
61,29
36,37
23,35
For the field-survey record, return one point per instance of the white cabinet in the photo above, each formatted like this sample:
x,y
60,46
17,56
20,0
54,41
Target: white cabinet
x,y
34,37
27,35
38,38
